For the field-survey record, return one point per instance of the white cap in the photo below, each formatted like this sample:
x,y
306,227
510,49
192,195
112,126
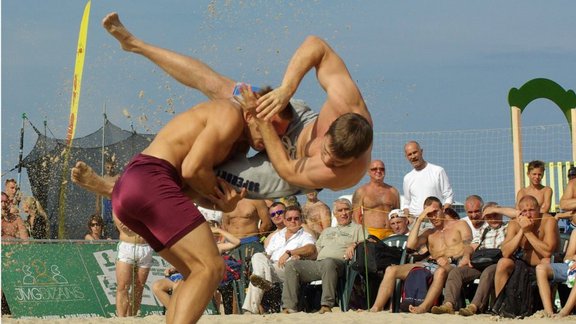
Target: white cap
x,y
397,212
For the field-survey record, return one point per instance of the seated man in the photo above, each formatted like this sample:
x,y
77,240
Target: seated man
x,y
334,246
547,273
447,247
491,238
290,243
336,146
568,204
531,236
398,222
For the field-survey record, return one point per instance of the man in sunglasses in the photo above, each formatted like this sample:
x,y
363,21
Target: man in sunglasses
x,y
373,201
290,243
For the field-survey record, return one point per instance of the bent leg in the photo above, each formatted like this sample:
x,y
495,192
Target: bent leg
x,y
504,269
543,274
186,70
570,303
388,284
161,289
196,257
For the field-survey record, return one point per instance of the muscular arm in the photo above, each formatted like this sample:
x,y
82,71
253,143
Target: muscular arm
x,y
547,200
414,240
512,240
231,240
568,200
547,245
325,216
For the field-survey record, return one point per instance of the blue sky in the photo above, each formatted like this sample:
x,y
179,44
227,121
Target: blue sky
x,y
421,65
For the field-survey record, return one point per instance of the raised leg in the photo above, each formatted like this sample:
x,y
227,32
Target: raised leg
x,y
84,176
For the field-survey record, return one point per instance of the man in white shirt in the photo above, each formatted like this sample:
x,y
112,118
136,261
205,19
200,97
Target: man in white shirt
x,y
290,243
425,180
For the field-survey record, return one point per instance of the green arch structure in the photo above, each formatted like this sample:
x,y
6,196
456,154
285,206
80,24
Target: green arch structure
x,y
518,99
543,88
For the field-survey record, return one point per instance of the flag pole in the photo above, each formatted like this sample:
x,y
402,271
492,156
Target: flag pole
x,y
21,148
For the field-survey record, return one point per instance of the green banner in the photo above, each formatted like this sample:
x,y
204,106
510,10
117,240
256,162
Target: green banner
x,y
68,279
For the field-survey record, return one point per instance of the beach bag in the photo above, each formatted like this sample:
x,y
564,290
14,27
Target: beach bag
x,y
375,256
482,258
520,296
415,287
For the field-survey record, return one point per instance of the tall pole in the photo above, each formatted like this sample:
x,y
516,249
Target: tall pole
x,y
101,198
21,148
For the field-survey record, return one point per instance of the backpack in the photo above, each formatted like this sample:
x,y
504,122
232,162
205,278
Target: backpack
x,y
377,255
415,287
520,296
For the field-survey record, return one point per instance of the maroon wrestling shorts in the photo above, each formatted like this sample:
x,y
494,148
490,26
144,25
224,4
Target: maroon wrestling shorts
x,y
149,200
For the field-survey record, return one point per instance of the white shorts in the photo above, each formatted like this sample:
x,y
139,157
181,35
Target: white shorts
x,y
137,254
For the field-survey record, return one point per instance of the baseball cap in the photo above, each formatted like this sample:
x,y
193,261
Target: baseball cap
x,y
396,212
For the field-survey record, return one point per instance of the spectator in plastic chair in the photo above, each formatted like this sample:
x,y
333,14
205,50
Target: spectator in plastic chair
x,y
316,213
447,247
473,205
334,246
533,235
535,188
398,222
491,237
568,205
547,273
37,220
292,242
13,227
373,201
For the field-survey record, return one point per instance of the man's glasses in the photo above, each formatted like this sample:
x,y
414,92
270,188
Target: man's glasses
x,y
293,219
377,169
95,224
277,213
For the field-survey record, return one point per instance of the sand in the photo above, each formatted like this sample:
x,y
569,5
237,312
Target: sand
x,y
303,318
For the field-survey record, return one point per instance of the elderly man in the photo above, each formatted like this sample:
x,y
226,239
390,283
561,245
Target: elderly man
x,y
425,180
334,246
474,206
374,200
447,246
398,222
292,242
490,238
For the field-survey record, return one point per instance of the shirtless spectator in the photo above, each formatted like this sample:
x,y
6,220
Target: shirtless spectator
x,y
536,189
447,247
104,204
333,159
568,204
13,192
13,227
133,262
373,202
248,220
425,180
316,213
534,235
398,222
474,205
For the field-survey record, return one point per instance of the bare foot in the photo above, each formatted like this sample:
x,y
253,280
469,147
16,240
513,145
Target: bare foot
x,y
84,176
416,309
113,25
375,309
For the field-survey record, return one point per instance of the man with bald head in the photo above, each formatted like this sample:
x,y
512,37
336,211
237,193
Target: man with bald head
x,y
425,180
373,201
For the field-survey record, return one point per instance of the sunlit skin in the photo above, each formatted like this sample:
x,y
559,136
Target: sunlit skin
x,y
535,188
473,209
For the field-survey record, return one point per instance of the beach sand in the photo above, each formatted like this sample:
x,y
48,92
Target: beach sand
x,y
335,317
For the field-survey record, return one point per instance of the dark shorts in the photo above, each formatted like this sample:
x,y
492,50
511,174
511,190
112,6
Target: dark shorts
x,y
149,200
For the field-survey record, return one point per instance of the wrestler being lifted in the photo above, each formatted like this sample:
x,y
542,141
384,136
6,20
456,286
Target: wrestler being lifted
x,y
331,150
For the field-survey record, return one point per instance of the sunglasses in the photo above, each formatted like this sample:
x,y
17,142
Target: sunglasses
x,y
277,213
377,169
95,224
293,219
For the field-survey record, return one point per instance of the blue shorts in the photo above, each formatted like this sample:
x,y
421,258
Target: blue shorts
x,y
560,271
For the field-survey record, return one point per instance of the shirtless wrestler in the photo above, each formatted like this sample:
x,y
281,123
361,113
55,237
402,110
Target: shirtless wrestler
x,y
447,247
373,202
319,153
316,214
152,196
